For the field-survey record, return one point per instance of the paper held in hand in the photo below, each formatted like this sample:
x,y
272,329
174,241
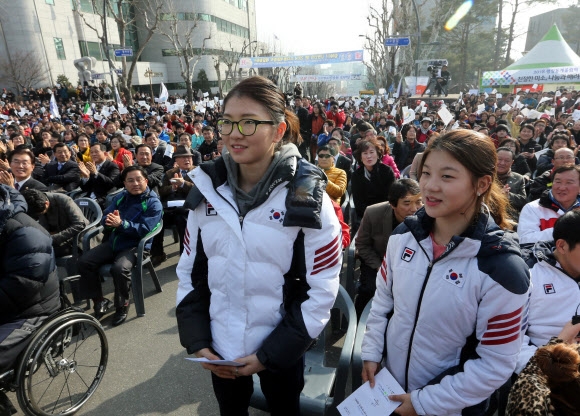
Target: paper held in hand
x,y
215,362
375,401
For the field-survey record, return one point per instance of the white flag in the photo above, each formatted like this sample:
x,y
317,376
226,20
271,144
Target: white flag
x,y
119,102
164,95
53,107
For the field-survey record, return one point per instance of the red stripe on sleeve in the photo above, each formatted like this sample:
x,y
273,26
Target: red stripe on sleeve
x,y
326,247
501,341
506,316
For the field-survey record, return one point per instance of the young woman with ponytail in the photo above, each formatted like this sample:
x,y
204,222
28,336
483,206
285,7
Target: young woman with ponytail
x,y
447,313
262,254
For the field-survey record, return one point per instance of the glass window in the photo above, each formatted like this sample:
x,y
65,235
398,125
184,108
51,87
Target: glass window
x,y
59,48
86,6
51,2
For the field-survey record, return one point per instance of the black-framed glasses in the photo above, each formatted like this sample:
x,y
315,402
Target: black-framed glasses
x,y
246,126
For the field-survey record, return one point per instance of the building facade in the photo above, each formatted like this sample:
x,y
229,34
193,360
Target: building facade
x,y
564,18
56,32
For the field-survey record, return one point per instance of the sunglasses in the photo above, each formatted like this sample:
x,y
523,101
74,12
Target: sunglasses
x,y
324,156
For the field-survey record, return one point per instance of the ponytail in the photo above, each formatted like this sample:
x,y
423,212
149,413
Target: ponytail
x,y
292,134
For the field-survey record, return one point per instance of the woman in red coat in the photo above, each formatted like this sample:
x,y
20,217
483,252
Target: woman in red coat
x,y
119,150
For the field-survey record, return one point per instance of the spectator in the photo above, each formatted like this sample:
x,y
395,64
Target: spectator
x,y
514,184
406,147
103,138
340,161
514,123
425,130
540,184
176,185
554,296
520,165
28,295
538,217
62,174
131,216
119,153
209,146
185,140
387,158
528,146
502,132
154,171
372,180
98,177
336,185
161,152
84,148
376,227
22,163
305,127
317,119
545,162
539,131
59,215
336,115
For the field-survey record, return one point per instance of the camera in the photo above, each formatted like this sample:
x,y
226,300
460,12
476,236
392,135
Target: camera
x,y
435,65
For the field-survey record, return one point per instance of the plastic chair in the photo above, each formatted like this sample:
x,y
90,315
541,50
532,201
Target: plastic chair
x,y
110,196
143,260
93,214
405,173
324,387
350,275
357,363
344,206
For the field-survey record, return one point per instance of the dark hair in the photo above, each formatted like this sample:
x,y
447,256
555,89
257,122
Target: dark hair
x,y
511,140
527,126
184,134
340,131
102,146
14,135
477,154
566,228
90,125
266,93
139,146
207,128
36,201
131,127
406,129
400,188
58,146
321,111
560,136
56,136
21,150
324,148
101,130
147,135
130,169
566,168
506,149
364,145
122,141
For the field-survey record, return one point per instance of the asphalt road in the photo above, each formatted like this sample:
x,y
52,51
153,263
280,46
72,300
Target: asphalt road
x,y
147,373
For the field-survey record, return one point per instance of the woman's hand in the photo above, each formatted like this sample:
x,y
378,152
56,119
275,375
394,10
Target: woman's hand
x,y
251,365
406,408
222,371
370,369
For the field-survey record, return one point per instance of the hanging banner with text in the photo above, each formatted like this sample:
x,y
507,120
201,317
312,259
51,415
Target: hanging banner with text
x,y
300,60
325,78
531,76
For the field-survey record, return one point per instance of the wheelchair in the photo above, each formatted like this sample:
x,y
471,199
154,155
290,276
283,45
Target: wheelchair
x,y
62,366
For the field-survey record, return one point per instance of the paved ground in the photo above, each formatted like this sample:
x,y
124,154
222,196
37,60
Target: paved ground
x,y
147,373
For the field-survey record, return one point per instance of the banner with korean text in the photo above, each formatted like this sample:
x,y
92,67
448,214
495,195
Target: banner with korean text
x,y
555,75
300,60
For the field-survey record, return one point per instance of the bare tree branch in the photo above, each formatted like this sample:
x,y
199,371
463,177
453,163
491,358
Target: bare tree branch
x,y
23,70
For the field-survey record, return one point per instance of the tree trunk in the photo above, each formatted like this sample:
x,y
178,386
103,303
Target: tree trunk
x,y
189,88
498,40
511,33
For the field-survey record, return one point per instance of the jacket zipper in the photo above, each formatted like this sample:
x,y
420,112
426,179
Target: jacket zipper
x,y
240,217
429,269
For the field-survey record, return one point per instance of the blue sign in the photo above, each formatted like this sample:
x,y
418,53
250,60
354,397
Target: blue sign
x,y
123,52
405,41
119,72
300,60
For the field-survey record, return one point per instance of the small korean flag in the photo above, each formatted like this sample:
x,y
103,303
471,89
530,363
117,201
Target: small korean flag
x,y
454,278
276,215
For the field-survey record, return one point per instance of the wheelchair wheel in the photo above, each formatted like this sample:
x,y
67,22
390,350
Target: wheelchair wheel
x,y
63,365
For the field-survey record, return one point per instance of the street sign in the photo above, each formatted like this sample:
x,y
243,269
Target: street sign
x,y
399,41
123,52
119,72
98,76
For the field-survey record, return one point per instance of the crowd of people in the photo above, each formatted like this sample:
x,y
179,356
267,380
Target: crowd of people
x,y
449,218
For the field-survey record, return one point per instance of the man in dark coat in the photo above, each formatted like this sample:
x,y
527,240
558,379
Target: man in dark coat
x,y
28,295
62,174
98,177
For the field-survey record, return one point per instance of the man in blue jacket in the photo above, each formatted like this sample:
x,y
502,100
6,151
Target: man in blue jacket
x,y
132,215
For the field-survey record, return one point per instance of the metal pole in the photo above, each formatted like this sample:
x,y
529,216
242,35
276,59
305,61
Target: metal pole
x,y
107,52
418,44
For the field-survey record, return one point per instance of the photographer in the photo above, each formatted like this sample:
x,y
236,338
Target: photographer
x,y
441,81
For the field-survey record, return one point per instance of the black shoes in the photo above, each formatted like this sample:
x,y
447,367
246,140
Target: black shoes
x,y
6,407
157,260
120,315
102,307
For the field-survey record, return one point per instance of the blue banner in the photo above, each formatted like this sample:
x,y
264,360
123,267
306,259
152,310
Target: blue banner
x,y
300,60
